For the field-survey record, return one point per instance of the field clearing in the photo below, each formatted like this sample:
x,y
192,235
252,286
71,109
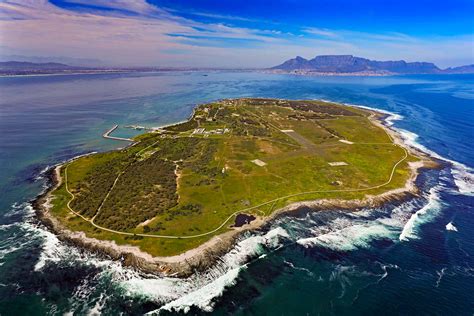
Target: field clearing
x,y
176,189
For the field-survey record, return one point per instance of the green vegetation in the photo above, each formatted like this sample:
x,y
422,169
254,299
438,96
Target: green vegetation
x,y
248,155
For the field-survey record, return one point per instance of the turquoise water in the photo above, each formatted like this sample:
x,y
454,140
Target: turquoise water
x,y
399,259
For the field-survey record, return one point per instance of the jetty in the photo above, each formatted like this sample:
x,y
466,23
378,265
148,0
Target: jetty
x,y
107,135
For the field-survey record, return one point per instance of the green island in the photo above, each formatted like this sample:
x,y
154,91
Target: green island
x,y
175,188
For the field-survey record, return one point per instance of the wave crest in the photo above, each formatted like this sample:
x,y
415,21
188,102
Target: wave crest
x,y
422,216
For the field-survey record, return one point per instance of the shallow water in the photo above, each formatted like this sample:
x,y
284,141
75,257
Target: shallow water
x,y
408,258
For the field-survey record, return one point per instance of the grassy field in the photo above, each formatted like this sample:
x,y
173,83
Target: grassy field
x,y
249,155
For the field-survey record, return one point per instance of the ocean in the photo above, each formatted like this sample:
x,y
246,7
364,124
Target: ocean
x,y
410,258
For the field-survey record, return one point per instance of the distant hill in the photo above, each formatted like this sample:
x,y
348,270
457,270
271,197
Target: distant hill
x,y
468,69
351,64
27,66
71,61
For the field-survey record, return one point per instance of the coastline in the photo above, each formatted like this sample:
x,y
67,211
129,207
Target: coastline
x,y
205,255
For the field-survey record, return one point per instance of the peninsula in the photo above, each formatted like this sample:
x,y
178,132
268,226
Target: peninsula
x,y
185,191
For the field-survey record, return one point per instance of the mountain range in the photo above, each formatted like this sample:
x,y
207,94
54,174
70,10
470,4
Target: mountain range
x,y
24,66
340,64
326,64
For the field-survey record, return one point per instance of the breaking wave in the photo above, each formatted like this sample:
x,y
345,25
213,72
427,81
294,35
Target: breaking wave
x,y
174,294
350,237
451,227
200,290
423,215
349,232
463,175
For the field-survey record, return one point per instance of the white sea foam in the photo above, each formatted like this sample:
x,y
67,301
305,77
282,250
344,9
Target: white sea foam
x,y
29,231
42,173
440,274
385,268
463,175
423,215
357,230
50,249
291,265
451,227
349,238
176,294
200,290
14,239
24,209
204,296
96,310
8,250
464,179
393,117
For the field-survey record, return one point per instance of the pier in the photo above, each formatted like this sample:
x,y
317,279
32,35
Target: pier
x,y
107,135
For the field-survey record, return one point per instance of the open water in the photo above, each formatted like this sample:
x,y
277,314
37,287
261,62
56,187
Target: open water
x,y
410,258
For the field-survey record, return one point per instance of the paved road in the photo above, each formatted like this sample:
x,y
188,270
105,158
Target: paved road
x,y
300,139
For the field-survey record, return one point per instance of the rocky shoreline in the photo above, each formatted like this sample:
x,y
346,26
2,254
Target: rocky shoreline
x,y
208,253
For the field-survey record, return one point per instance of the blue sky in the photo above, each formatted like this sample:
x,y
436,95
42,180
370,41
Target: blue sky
x,y
237,33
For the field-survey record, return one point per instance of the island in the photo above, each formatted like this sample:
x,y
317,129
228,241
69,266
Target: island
x,y
178,197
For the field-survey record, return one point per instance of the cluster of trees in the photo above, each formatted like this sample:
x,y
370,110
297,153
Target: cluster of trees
x,y
260,101
90,192
243,126
224,114
201,162
146,189
183,127
309,116
321,107
180,148
213,111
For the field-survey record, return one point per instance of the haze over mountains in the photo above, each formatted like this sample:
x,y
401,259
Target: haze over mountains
x,y
14,68
23,65
339,64
325,64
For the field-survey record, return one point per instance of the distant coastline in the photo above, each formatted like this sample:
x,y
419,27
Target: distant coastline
x,y
264,71
325,65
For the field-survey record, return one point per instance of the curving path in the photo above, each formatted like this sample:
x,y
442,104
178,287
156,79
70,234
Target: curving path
x,y
91,221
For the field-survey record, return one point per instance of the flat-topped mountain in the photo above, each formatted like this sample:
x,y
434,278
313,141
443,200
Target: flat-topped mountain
x,y
353,64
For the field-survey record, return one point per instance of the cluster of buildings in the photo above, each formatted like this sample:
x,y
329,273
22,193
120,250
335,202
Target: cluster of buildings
x,y
217,131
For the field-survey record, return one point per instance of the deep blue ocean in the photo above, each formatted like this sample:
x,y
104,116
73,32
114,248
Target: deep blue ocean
x,y
408,258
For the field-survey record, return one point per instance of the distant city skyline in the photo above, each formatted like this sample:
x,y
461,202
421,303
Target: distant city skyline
x,y
235,34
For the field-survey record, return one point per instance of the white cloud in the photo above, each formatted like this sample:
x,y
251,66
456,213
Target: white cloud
x,y
320,32
137,6
36,27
